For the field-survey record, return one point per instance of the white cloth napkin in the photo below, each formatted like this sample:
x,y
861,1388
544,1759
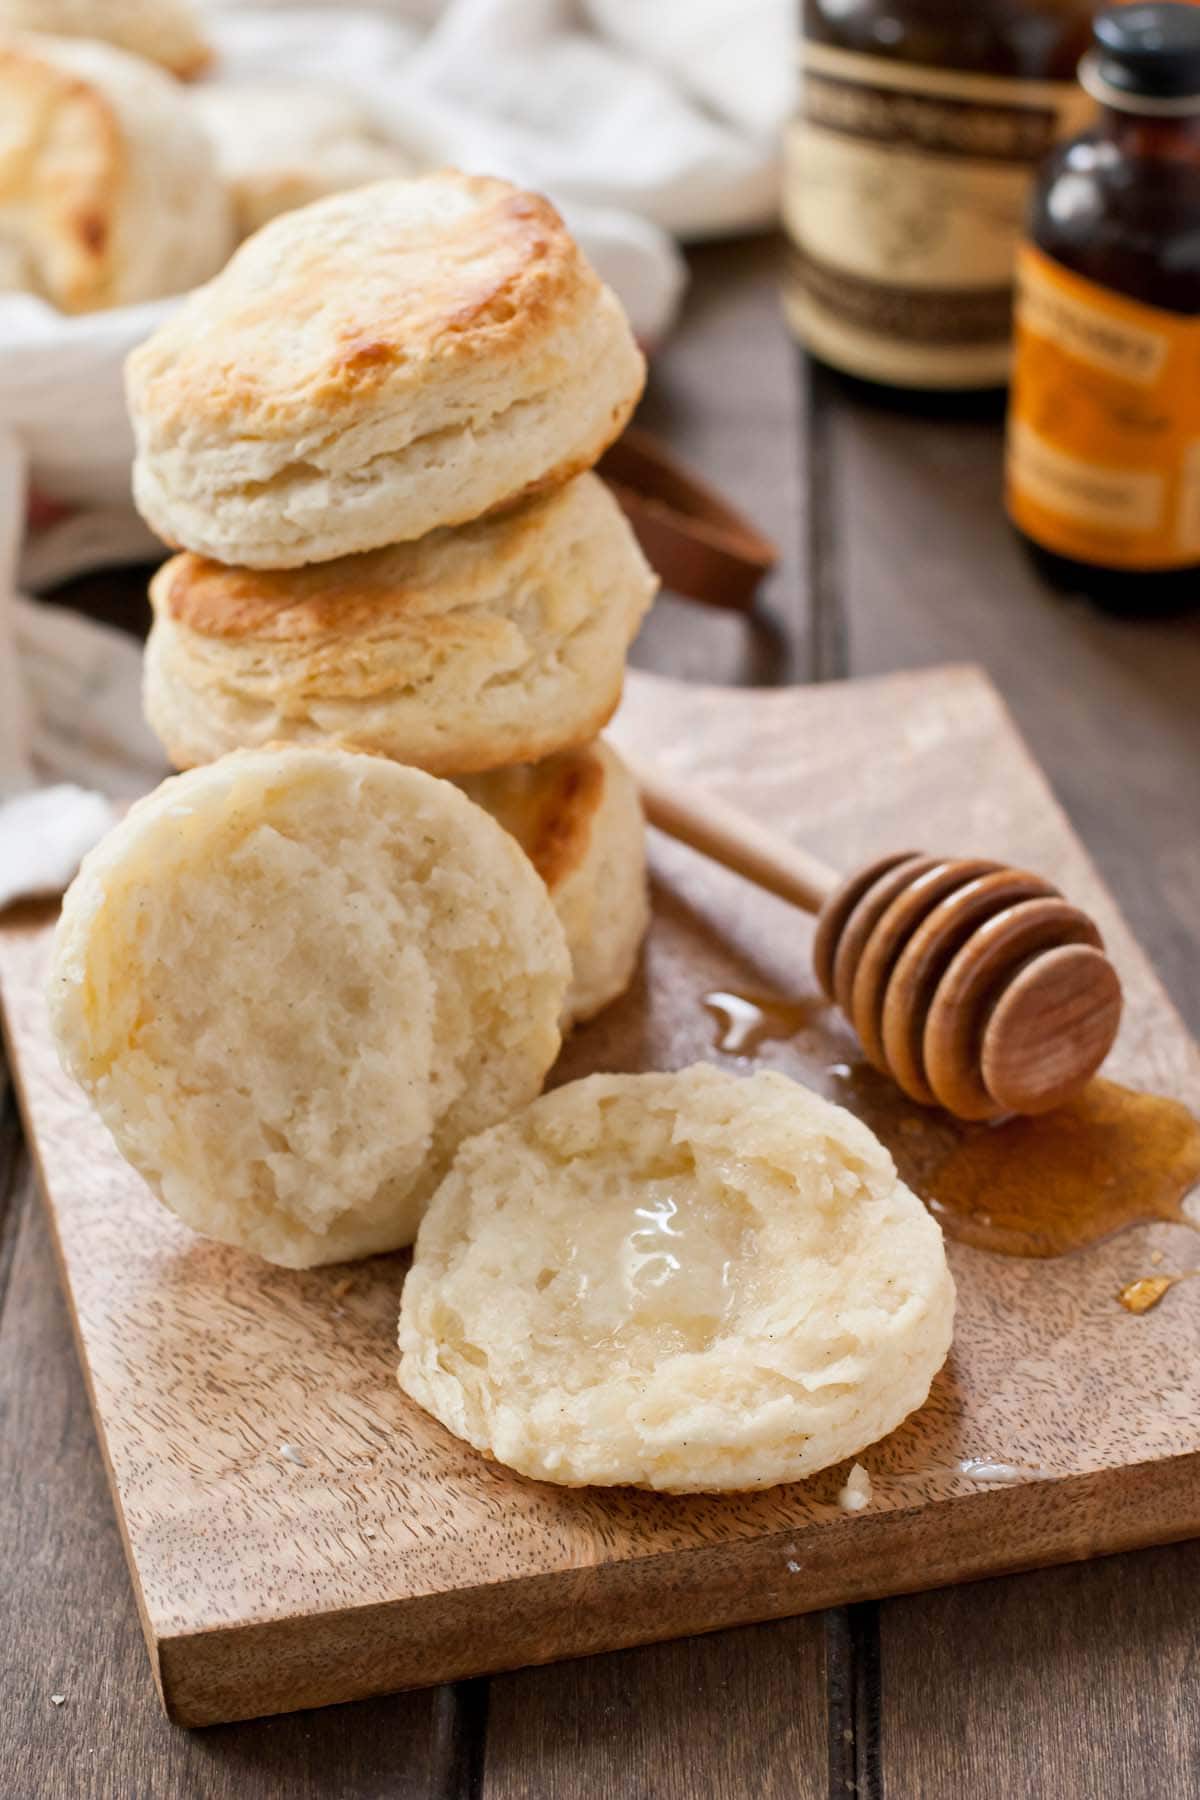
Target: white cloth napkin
x,y
645,121
73,745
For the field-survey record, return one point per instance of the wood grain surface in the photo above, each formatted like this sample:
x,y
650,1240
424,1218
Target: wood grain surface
x,y
925,568
895,555
300,1533
645,1722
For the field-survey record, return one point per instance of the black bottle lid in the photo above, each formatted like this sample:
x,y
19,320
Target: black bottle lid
x,y
1148,52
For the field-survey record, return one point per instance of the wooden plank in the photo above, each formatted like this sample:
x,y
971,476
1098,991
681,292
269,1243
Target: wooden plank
x,y
737,1714
72,1627
1073,1682
393,1556
927,566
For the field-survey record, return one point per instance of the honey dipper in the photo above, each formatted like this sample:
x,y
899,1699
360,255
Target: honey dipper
x,y
974,985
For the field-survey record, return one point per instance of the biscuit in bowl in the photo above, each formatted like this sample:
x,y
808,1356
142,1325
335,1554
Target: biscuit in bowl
x,y
406,356
281,145
109,192
292,981
167,32
691,1282
578,818
499,642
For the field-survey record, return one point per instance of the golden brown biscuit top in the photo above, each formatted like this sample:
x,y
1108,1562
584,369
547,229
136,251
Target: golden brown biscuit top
x,y
449,571
388,285
548,807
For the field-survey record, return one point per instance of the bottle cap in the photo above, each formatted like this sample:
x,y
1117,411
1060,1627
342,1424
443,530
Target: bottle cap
x,y
1146,58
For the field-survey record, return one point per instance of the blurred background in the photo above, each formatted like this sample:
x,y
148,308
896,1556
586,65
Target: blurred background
x,y
895,141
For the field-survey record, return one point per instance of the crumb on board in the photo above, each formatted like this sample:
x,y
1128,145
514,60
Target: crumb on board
x,y
1140,1296
1156,1257
855,1495
58,1699
290,1454
341,1288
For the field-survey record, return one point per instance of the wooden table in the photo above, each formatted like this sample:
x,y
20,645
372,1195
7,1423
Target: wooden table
x,y
1079,1683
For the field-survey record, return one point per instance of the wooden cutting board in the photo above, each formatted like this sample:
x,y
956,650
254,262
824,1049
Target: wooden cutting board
x,y
376,1552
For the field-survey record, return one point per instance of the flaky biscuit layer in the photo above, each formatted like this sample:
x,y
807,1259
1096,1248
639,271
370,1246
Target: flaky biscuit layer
x,y
499,642
578,818
368,369
292,981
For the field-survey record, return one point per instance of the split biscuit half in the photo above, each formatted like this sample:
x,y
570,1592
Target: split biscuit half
x,y
681,1281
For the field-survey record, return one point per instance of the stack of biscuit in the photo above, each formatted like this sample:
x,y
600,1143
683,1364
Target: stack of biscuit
x,y
314,994
372,437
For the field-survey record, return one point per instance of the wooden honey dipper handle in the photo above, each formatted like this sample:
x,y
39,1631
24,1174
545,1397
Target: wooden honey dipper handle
x,y
975,986
732,839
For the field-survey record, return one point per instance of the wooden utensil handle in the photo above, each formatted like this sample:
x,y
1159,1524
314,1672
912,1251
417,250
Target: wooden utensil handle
x,y
691,535
740,843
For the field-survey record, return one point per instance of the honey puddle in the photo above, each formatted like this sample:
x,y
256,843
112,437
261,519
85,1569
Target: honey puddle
x,y
1111,1158
748,1020
1034,1187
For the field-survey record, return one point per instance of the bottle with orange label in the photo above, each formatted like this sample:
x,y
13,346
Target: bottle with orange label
x,y
1103,466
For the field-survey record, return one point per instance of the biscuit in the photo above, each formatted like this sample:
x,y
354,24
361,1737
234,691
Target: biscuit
x,y
292,981
282,145
406,356
499,642
689,1282
109,192
578,818
167,32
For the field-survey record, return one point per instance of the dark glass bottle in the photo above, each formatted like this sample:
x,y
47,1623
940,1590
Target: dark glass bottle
x,y
1104,433
919,126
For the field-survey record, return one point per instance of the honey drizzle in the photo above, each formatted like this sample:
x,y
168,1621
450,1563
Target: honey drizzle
x,y
1110,1159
